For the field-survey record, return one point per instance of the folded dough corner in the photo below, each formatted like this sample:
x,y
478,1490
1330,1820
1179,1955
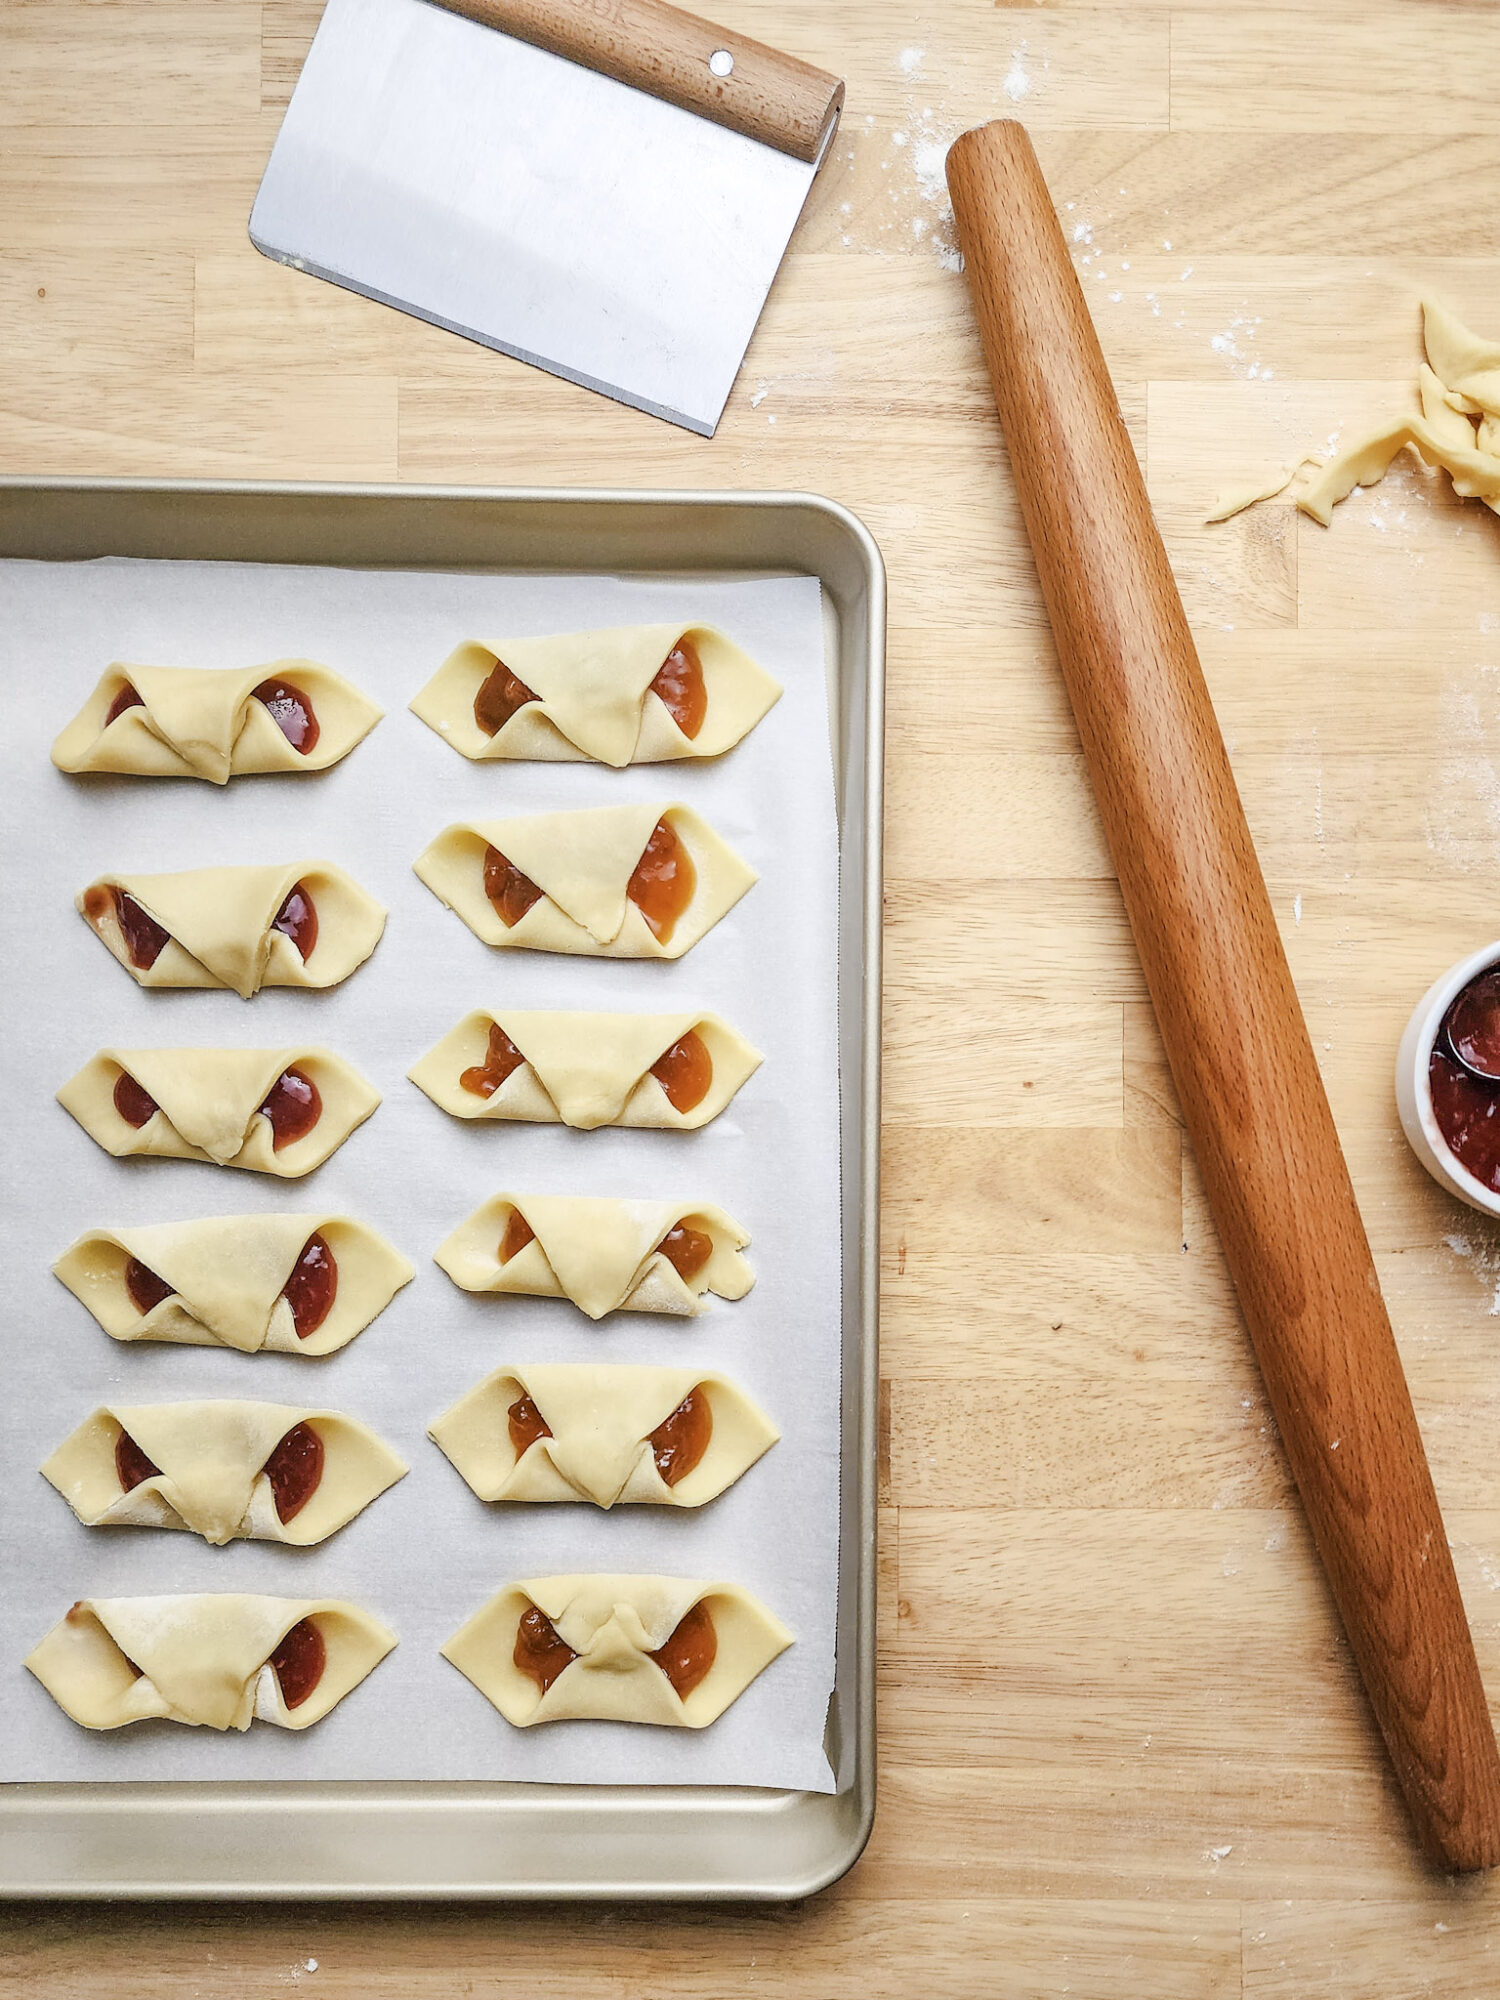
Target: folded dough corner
x,y
584,864
211,1661
613,1625
590,696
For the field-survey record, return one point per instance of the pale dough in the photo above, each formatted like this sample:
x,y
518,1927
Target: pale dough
x,y
220,923
612,1623
595,700
204,722
210,1458
601,1419
599,1252
582,862
208,1105
1459,382
228,1275
203,1660
584,1070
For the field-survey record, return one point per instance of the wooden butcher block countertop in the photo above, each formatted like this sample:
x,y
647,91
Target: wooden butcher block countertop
x,y
1125,1756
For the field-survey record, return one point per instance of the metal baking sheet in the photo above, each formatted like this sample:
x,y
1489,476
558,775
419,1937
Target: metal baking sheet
x,y
499,1840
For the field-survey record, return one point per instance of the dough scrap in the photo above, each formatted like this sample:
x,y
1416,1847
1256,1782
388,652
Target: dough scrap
x,y
595,699
205,722
210,1479
613,1623
601,1419
202,1659
228,1275
582,862
584,1070
208,1105
599,1252
1459,381
221,924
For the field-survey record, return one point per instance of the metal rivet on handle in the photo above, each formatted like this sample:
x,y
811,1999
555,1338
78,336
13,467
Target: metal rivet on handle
x,y
721,62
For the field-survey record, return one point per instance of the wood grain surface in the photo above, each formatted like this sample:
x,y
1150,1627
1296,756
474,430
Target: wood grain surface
x,y
1126,1756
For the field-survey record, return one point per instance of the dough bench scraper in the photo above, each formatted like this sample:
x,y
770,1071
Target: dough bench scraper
x,y
603,188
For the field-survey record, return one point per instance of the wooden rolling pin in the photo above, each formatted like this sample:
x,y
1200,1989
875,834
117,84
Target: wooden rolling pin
x,y
1235,1037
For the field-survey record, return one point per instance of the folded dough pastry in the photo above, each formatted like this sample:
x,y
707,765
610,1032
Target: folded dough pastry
x,y
302,924
271,1471
634,694
216,1661
675,1071
663,1649
291,1284
604,1254
642,881
276,1111
216,722
673,1437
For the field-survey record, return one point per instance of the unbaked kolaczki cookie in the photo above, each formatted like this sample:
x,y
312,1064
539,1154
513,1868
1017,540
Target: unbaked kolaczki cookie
x,y
674,1072
605,1254
216,723
304,924
611,1435
271,1472
633,694
274,1111
216,1661
281,1284
634,881
661,1649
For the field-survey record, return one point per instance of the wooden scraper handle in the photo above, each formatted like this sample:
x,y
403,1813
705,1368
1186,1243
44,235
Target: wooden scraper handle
x,y
1234,1034
659,49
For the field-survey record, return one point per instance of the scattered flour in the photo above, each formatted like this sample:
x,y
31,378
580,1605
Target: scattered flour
x,y
1485,1257
1218,1854
910,61
1297,907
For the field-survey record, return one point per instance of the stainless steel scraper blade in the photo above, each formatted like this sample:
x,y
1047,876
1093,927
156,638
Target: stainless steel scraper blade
x,y
529,203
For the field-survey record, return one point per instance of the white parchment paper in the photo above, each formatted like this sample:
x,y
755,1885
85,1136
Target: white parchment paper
x,y
428,1553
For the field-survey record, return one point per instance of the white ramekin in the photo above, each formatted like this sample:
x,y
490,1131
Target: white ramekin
x,y
1414,1092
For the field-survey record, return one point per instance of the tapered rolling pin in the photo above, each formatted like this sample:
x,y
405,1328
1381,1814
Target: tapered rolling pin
x,y
1234,1034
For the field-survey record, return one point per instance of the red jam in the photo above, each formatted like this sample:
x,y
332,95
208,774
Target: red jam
x,y
686,1250
146,1290
292,713
679,1443
131,1464
294,1469
510,892
500,1059
539,1651
144,937
311,1288
679,687
134,1105
690,1652
298,1662
293,1107
527,1424
125,697
1467,1107
664,880
500,695
298,919
685,1072
518,1233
